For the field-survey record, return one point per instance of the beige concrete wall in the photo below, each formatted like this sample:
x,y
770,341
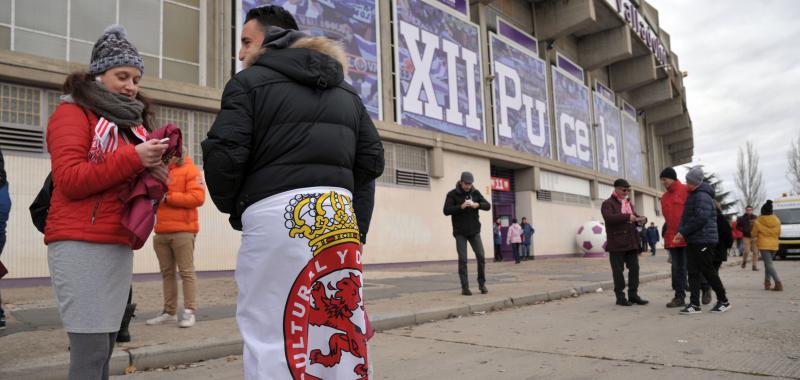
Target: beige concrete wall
x,y
556,224
408,224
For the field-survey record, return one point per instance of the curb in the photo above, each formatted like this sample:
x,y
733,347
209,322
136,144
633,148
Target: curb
x,y
163,355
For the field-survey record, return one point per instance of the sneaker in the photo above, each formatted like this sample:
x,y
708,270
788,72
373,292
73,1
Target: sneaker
x,y
706,296
466,292
676,303
188,319
691,309
721,307
2,323
161,318
639,301
624,302
484,290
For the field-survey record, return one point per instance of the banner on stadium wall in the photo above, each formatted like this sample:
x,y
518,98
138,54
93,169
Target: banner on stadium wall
x,y
631,139
439,75
354,23
459,6
608,135
573,120
517,35
520,97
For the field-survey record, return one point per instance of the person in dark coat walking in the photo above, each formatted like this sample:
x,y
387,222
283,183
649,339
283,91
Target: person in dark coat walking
x,y
745,225
462,205
623,242
497,234
725,233
653,237
699,229
5,209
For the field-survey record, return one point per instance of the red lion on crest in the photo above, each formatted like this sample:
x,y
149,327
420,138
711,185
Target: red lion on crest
x,y
335,312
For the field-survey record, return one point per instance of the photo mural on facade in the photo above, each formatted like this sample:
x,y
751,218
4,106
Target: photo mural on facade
x,y
438,81
520,97
573,120
634,165
354,23
608,134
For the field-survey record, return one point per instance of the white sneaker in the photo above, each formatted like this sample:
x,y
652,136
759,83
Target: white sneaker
x,y
188,319
161,318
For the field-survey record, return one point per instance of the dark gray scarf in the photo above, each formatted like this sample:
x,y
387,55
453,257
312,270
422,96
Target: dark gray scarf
x,y
117,108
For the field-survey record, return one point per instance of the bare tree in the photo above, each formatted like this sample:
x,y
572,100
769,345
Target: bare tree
x,y
793,173
749,179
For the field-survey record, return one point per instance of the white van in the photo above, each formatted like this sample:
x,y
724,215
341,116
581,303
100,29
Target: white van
x,y
787,209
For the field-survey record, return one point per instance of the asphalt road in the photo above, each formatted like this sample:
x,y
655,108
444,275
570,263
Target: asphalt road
x,y
591,338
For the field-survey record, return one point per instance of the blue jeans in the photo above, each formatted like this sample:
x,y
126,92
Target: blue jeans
x,y
526,249
5,208
679,273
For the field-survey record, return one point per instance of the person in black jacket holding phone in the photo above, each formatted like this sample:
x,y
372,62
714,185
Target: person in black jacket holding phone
x,y
462,205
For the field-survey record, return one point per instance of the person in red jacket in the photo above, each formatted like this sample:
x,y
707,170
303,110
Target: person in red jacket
x,y
176,228
97,143
672,203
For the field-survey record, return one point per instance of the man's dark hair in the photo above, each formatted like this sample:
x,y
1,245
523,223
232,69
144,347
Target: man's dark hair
x,y
272,15
748,206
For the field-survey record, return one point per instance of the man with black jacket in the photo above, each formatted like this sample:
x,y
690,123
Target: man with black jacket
x,y
5,208
699,229
462,205
292,157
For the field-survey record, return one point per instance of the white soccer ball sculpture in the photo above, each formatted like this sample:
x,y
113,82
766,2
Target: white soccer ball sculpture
x,y
591,239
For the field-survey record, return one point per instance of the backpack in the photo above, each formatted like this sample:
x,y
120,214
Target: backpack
x,y
41,205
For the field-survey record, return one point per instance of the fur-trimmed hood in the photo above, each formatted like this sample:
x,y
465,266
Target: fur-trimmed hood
x,y
312,61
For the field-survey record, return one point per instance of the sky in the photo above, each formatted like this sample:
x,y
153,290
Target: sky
x,y
743,59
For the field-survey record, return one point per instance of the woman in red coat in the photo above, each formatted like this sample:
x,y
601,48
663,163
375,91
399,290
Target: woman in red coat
x,y
96,138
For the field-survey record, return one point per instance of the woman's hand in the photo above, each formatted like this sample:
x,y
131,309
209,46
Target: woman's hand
x,y
150,153
161,172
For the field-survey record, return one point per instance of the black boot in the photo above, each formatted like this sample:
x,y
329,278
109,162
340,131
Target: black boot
x,y
124,336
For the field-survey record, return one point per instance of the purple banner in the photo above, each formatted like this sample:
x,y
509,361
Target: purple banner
x,y
459,6
604,91
634,162
520,98
507,30
438,79
354,23
572,120
608,135
628,109
570,67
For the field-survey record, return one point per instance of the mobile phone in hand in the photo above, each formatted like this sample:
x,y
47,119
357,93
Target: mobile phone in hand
x,y
164,141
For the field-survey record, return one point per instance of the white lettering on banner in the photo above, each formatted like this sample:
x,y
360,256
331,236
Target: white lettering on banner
x,y
421,77
637,22
580,148
515,102
610,160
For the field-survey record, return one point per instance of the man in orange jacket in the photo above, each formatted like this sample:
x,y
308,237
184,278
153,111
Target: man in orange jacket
x,y
176,228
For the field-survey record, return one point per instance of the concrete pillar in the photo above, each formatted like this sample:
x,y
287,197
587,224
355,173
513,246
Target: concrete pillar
x,y
633,73
604,48
436,162
664,112
387,81
651,94
684,134
525,179
558,18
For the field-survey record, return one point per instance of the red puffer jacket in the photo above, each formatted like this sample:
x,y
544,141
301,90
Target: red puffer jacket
x,y
85,205
672,203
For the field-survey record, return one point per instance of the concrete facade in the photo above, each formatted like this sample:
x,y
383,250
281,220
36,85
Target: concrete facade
x,y
408,224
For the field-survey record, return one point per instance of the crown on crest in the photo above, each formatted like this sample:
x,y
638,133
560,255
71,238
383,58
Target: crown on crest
x,y
325,219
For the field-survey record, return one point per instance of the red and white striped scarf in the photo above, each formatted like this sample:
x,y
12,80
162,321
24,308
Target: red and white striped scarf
x,y
106,139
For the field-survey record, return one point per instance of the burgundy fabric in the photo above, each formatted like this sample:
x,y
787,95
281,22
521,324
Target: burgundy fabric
x,y
141,201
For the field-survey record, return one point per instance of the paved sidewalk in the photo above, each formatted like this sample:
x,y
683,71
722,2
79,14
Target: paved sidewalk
x,y
396,296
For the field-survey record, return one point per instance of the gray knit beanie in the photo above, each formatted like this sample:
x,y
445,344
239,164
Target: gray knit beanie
x,y
695,176
114,50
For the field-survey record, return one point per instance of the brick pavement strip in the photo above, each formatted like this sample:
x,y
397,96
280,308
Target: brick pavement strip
x,y
168,345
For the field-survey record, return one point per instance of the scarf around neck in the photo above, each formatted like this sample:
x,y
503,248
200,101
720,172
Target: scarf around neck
x,y
626,204
116,108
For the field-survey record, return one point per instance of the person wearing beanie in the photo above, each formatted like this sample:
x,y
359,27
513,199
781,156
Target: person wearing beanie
x,y
766,232
623,243
300,186
97,140
462,205
698,228
672,205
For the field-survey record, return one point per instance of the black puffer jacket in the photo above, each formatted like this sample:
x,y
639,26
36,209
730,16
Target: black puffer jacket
x,y
699,220
465,221
289,122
